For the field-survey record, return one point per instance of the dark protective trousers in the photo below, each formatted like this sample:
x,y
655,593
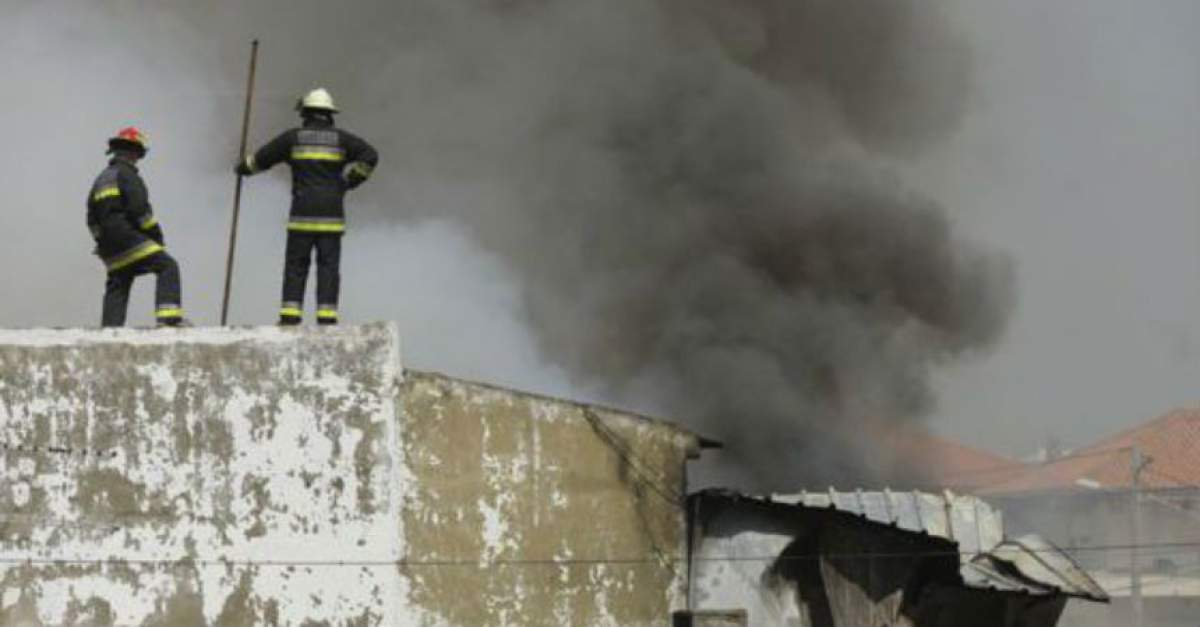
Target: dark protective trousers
x,y
167,290
300,246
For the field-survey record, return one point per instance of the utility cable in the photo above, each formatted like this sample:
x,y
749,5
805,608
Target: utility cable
x,y
649,559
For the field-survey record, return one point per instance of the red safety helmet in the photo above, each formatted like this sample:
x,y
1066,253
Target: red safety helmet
x,y
130,137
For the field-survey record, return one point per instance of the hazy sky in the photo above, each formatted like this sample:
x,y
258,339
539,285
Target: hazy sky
x,y
1078,156
1081,158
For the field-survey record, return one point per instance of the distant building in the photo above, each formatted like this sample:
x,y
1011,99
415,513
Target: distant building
x,y
842,559
1084,502
939,463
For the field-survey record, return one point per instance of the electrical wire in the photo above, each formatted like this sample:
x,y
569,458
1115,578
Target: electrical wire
x,y
563,562
1129,587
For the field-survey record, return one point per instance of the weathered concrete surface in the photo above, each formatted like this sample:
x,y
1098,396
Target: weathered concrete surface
x,y
150,476
566,514
286,477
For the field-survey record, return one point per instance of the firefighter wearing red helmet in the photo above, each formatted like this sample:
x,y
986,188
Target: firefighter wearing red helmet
x,y
128,238
326,162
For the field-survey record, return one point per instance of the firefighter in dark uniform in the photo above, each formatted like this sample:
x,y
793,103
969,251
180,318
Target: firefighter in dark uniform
x,y
326,162
128,237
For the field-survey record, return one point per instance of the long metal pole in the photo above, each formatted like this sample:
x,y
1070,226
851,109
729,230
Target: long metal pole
x,y
237,190
1135,572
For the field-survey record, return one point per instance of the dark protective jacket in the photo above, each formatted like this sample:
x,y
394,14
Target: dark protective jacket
x,y
120,217
326,161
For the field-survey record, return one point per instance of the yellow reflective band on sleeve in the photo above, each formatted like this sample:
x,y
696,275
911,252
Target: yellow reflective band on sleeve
x,y
362,169
327,314
111,191
250,165
316,227
292,312
166,312
149,223
133,256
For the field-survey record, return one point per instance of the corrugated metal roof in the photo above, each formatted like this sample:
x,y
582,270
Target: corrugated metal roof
x,y
975,525
984,575
1027,565
1035,560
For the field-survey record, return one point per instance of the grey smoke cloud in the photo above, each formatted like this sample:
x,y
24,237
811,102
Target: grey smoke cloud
x,y
697,201
707,217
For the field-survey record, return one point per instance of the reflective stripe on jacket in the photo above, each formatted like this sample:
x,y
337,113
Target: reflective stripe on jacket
x,y
120,217
133,255
306,224
320,156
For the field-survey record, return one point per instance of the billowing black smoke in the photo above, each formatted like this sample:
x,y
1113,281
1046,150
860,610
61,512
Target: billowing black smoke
x,y
699,198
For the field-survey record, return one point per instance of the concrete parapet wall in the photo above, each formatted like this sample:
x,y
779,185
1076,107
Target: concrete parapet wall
x,y
163,478
299,477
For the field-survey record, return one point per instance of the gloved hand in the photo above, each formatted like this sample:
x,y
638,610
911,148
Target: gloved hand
x,y
356,174
242,169
354,179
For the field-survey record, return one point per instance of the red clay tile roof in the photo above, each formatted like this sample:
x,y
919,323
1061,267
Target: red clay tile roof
x,y
946,463
1171,443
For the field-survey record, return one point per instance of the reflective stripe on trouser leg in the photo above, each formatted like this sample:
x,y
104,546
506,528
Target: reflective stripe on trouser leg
x,y
168,314
291,310
168,311
168,288
327,314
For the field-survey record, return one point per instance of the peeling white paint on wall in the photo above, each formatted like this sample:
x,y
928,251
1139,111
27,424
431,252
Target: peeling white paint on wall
x,y
279,449
553,492
246,476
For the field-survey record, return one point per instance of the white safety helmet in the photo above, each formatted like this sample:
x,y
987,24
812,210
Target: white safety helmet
x,y
318,100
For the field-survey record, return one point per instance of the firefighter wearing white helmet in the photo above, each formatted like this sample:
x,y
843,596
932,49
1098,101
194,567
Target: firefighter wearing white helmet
x,y
326,162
